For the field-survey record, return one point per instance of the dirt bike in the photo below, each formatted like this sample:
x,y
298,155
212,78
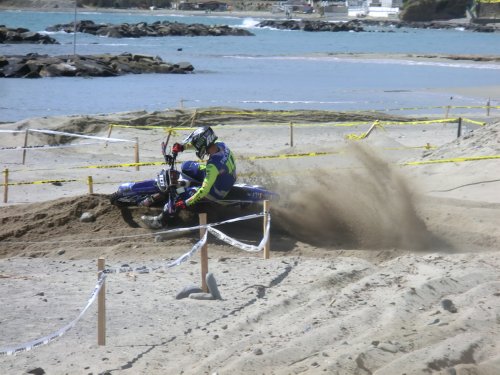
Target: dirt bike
x,y
171,184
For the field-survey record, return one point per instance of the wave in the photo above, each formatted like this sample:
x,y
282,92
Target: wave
x,y
368,60
250,23
263,101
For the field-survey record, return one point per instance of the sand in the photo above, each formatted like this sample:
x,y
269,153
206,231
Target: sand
x,y
376,267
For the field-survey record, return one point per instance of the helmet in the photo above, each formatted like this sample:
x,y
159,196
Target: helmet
x,y
201,139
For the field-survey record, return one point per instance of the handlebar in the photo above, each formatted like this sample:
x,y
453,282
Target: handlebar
x,y
169,158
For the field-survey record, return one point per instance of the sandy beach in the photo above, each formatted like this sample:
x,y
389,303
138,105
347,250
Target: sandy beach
x,y
383,260
385,244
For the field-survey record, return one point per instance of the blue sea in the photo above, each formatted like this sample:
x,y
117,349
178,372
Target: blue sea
x,y
275,69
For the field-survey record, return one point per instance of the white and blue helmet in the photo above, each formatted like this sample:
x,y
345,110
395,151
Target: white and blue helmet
x,y
201,139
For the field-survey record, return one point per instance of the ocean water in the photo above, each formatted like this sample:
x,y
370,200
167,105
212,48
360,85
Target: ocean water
x,y
274,69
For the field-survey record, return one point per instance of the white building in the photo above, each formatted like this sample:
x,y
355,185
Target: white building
x,y
373,8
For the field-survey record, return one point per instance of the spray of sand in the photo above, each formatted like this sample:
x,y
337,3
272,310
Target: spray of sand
x,y
370,207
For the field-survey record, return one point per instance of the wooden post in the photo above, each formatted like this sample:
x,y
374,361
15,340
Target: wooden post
x,y
204,254
137,153
291,134
90,183
447,111
25,145
101,306
6,185
266,245
459,128
488,107
109,134
371,128
193,119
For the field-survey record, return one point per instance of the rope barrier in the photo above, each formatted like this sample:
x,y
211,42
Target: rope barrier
x,y
16,349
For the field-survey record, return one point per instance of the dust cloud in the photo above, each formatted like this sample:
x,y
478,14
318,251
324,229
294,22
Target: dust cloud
x,y
370,207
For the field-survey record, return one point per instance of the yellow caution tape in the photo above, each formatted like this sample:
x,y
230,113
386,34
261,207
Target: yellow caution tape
x,y
334,124
168,128
39,182
453,160
291,156
474,122
121,165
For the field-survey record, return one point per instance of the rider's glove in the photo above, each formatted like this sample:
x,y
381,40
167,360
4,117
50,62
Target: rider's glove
x,y
180,205
177,147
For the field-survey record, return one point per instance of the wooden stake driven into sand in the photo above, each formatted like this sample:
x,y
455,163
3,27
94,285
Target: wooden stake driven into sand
x,y
101,305
90,182
291,134
204,254
109,134
137,153
267,248
25,145
5,185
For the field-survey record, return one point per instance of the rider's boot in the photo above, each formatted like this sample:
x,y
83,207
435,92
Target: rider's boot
x,y
153,222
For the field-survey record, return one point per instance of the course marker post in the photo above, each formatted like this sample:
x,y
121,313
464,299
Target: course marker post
x,y
109,134
101,305
25,145
6,185
266,245
90,182
203,253
459,127
488,107
291,134
136,153
447,111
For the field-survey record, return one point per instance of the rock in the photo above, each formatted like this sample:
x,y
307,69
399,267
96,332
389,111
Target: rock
x,y
143,29
212,286
201,296
388,347
186,291
36,371
87,217
312,26
21,35
105,65
448,305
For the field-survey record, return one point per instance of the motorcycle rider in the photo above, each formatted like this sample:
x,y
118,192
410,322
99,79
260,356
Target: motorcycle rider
x,y
217,175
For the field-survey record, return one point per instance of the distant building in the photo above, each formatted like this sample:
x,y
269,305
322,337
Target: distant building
x,y
206,5
374,8
485,11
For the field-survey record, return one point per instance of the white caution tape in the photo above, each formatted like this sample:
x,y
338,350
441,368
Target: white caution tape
x,y
11,131
189,254
176,230
45,131
183,258
47,339
223,237
231,241
48,147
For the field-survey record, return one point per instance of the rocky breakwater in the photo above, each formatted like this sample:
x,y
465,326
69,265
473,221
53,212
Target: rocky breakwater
x,y
22,35
311,25
105,65
155,29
